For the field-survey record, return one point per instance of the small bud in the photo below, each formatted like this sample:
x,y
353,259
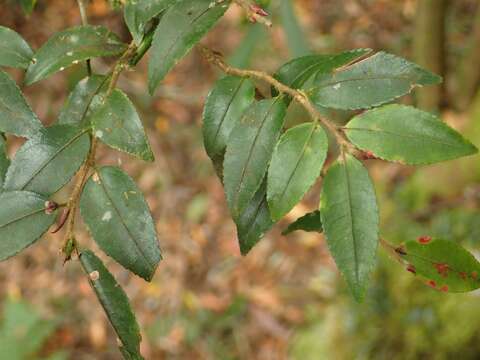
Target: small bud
x,y
258,10
50,207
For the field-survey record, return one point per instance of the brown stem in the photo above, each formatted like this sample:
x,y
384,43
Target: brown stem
x,y
298,95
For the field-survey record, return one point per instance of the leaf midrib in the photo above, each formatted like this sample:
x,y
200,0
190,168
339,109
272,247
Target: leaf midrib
x,y
49,160
139,249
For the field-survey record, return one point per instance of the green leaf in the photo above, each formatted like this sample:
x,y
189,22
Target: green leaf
x,y
224,107
407,135
16,117
249,151
296,39
139,12
310,222
117,124
79,104
28,6
376,80
118,217
298,71
254,221
23,220
45,163
445,265
14,50
296,164
4,161
114,302
71,46
349,215
180,28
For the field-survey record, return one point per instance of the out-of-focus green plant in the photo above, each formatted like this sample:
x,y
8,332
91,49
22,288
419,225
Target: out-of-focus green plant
x,y
23,332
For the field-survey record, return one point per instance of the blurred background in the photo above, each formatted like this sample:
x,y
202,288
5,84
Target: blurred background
x,y
285,300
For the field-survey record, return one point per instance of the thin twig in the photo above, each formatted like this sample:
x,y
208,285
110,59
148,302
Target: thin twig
x,y
299,96
83,14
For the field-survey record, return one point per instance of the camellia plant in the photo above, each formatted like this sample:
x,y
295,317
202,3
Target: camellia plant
x,y
265,169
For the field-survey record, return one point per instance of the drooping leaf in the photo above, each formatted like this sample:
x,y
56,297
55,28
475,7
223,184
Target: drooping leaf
x,y
249,151
407,135
224,107
4,161
14,50
376,80
114,302
79,104
138,13
349,215
23,220
117,124
310,222
118,217
71,46
254,221
45,163
444,265
180,28
16,117
296,72
296,164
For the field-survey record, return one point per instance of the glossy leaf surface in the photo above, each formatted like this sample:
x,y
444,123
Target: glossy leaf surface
x,y
249,151
224,107
14,50
118,217
48,161
349,215
139,12
254,222
16,116
69,47
407,135
374,81
180,28
80,104
23,220
296,164
115,303
297,71
117,124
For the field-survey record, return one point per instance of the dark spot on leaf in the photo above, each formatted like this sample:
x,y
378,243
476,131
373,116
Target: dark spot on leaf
x,y
432,283
411,268
424,239
442,269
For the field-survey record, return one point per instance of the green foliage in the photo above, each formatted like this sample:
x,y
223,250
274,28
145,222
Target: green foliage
x,y
444,265
69,47
349,214
249,151
310,222
266,169
182,25
407,135
16,117
374,81
24,218
115,303
296,164
23,332
119,219
59,150
14,49
116,123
